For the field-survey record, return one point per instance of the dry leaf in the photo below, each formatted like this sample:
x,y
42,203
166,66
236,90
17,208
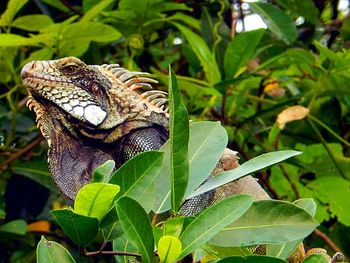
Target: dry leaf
x,y
291,114
39,226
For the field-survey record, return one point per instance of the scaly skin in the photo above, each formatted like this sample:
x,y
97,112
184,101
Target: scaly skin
x,y
85,111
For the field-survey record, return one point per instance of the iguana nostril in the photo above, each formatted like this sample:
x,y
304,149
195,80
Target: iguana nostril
x,y
30,66
24,71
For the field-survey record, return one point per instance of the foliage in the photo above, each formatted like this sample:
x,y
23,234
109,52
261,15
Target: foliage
x,y
243,79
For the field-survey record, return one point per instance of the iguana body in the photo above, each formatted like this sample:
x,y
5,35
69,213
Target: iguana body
x,y
90,114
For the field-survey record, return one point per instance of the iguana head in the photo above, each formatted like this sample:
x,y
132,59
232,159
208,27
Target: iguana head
x,y
84,110
93,97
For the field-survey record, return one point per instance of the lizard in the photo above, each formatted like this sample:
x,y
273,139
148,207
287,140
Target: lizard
x,y
93,113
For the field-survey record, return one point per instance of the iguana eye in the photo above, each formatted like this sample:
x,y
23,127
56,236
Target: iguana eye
x,y
70,69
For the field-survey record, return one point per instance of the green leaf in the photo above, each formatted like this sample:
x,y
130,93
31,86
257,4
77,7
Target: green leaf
x,y
204,137
13,6
246,168
95,199
82,230
283,251
13,40
302,8
178,138
76,37
174,226
308,204
18,227
95,10
207,59
280,24
315,258
169,248
190,20
224,252
251,259
137,227
103,173
267,222
137,178
111,231
91,31
52,252
240,50
335,192
32,22
124,244
212,220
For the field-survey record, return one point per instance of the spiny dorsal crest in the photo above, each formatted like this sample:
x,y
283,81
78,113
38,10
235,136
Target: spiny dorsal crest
x,y
137,81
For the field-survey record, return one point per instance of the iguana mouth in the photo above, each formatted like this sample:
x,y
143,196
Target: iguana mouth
x,y
77,103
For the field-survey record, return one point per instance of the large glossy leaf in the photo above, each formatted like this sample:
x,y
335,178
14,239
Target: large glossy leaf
x,y
283,251
82,230
207,59
137,177
205,137
169,248
95,199
32,22
267,222
52,252
178,139
240,50
277,21
137,227
251,259
212,220
207,142
246,168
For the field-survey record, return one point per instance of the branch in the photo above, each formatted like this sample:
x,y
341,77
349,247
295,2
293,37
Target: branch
x,y
18,154
327,240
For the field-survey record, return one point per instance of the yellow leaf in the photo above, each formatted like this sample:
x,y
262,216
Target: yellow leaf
x,y
169,248
39,226
291,114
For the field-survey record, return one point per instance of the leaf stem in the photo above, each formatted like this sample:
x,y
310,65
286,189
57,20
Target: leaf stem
x,y
104,252
327,240
325,126
324,143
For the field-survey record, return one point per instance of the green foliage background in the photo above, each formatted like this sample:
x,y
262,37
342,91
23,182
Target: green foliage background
x,y
242,79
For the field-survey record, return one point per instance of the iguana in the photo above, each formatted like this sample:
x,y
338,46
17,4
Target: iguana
x,y
90,114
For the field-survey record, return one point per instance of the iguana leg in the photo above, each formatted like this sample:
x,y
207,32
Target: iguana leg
x,y
142,140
